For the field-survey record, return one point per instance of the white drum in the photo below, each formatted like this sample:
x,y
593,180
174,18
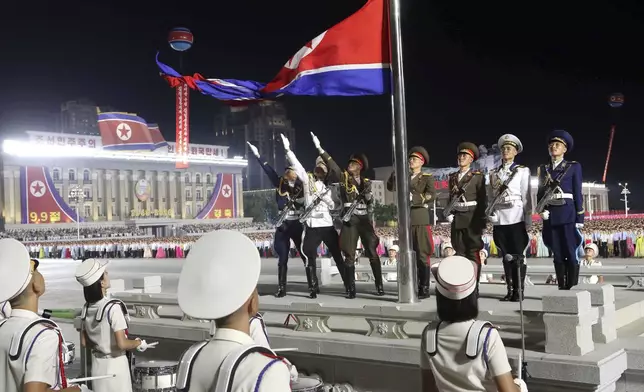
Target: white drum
x,y
69,353
307,384
155,376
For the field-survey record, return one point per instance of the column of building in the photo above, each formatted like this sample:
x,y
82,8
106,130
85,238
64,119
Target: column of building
x,y
172,194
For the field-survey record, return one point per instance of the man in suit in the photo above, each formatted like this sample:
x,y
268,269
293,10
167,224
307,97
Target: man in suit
x,y
468,214
562,210
422,193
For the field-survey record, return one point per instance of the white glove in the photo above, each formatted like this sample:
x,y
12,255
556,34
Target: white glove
x,y
521,384
145,345
287,144
253,149
450,218
493,218
293,371
410,196
368,196
545,215
579,225
316,142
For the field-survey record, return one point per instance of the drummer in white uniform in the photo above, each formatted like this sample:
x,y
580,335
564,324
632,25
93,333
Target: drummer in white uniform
x,y
5,310
36,365
218,282
460,353
104,329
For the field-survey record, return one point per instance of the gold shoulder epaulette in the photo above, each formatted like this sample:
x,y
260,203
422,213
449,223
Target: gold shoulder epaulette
x,y
427,174
366,179
476,172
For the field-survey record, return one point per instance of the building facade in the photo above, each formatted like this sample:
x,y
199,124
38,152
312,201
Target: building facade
x,y
260,124
79,117
48,177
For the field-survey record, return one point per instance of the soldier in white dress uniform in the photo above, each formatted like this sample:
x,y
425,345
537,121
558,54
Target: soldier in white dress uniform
x,y
511,214
218,282
31,347
104,329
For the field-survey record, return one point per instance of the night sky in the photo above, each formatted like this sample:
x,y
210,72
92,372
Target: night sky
x,y
474,71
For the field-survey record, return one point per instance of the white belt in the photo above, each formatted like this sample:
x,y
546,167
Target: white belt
x,y
465,204
562,196
512,198
358,206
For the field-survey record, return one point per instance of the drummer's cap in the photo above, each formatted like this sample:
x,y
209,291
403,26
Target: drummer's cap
x,y
447,245
16,269
219,275
455,277
90,271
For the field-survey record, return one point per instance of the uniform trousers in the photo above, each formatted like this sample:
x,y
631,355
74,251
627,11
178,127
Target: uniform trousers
x,y
359,227
290,230
468,242
423,244
512,240
564,241
313,237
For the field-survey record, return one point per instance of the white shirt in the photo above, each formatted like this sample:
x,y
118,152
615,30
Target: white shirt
x,y
276,378
42,364
593,279
517,195
321,215
102,333
5,310
258,331
453,371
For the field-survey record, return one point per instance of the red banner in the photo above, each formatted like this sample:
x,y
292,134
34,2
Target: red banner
x,y
223,201
183,123
40,201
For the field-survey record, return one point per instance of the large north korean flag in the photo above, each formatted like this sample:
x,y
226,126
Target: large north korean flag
x,y
40,201
223,201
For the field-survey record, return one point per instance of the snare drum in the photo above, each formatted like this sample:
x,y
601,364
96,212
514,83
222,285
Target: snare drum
x,y
69,353
307,384
157,376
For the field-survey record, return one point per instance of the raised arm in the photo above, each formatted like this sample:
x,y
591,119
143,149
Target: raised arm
x,y
268,169
292,159
335,172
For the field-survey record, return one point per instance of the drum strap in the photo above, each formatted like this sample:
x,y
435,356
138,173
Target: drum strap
x,y
231,363
185,366
473,339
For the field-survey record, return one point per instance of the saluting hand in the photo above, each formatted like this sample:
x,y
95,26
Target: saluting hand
x,y
316,142
287,144
253,149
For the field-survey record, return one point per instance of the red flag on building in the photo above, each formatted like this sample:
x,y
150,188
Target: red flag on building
x,y
124,131
40,200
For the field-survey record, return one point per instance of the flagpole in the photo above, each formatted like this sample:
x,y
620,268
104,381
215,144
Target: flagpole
x,y
407,280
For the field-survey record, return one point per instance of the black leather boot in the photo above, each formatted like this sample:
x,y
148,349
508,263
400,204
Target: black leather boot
x,y
342,270
560,272
312,280
572,275
351,281
281,281
507,270
376,268
423,282
519,270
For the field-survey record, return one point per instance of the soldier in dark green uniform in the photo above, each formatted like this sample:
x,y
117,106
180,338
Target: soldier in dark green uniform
x,y
355,188
421,194
468,213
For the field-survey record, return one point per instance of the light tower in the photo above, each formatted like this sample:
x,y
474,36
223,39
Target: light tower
x,y
625,192
589,201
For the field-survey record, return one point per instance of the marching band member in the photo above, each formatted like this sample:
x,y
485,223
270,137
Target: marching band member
x,y
319,226
391,260
5,310
422,193
104,329
290,196
355,190
563,214
461,353
218,282
468,215
448,249
31,347
589,261
511,214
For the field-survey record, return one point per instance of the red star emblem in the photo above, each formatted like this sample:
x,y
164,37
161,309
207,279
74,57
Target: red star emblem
x,y
37,188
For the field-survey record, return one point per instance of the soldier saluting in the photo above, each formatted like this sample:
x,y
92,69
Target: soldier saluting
x,y
422,192
356,196
466,207
560,204
511,214
290,201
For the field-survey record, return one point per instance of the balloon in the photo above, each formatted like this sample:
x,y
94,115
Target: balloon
x,y
616,100
180,39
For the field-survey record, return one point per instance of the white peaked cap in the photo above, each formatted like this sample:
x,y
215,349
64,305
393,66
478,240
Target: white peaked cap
x,y
90,271
511,140
394,247
447,245
593,247
219,275
455,277
485,251
15,269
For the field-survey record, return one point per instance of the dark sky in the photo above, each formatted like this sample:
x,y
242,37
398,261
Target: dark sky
x,y
474,71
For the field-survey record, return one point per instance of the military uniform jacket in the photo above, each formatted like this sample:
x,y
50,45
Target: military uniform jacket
x,y
475,201
422,193
284,189
349,187
516,204
321,215
572,211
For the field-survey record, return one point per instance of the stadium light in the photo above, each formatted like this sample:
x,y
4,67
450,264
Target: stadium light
x,y
625,192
